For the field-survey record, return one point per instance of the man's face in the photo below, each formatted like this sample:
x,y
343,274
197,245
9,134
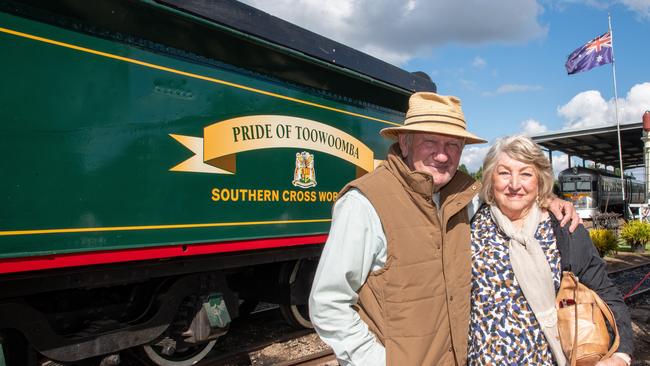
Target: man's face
x,y
435,154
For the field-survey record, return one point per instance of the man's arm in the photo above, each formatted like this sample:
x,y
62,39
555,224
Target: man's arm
x,y
356,246
565,212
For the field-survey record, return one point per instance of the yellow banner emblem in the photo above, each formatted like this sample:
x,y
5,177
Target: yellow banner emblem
x,y
216,151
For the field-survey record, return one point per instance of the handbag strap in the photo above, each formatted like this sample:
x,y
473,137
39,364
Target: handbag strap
x,y
609,315
574,354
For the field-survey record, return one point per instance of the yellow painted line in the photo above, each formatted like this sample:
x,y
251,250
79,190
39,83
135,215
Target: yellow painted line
x,y
188,74
157,227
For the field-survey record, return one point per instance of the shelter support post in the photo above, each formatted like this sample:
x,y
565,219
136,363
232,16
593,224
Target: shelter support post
x,y
646,152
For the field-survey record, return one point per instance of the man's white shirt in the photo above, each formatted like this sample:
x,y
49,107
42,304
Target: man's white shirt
x,y
356,246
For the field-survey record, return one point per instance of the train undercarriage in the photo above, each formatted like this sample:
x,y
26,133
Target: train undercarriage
x,y
169,320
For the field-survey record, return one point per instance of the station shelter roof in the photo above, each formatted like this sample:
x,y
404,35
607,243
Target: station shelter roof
x,y
598,144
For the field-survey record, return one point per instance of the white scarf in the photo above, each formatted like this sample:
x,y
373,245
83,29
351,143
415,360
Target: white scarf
x,y
534,274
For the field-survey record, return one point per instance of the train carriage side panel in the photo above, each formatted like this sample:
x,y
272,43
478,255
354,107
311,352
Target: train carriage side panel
x,y
595,191
113,147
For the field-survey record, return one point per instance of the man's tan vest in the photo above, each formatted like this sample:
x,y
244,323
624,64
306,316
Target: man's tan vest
x,y
418,304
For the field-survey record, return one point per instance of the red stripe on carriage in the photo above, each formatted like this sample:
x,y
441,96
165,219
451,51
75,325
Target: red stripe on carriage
x,y
24,264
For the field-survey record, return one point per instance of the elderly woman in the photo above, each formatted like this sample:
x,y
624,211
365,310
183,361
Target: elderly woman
x,y
504,330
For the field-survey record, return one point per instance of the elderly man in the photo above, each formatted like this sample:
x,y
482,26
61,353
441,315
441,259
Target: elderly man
x,y
393,282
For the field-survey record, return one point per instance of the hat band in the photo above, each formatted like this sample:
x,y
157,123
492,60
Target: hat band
x,y
436,115
434,121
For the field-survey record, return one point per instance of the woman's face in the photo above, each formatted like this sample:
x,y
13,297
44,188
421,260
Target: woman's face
x,y
514,186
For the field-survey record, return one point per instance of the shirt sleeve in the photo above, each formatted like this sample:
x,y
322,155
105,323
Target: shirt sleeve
x,y
473,206
356,246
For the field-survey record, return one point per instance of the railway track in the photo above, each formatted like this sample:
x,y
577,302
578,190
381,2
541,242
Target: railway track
x,y
634,283
629,280
322,358
263,338
639,298
259,339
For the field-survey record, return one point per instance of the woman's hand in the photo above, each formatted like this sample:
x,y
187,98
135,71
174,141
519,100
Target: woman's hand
x,y
615,360
565,212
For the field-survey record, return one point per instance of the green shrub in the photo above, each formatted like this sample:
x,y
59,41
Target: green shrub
x,y
604,240
636,234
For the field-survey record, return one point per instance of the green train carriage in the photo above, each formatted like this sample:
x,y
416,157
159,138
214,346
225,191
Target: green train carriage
x,y
170,162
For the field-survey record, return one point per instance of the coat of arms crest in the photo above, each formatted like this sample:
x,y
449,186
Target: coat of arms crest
x,y
304,175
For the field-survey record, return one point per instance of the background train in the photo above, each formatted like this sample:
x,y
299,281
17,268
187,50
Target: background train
x,y
167,165
595,191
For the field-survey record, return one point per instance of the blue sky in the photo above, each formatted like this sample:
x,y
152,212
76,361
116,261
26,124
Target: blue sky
x,y
503,58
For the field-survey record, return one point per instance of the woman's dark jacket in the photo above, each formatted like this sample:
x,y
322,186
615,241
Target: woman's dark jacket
x,y
578,255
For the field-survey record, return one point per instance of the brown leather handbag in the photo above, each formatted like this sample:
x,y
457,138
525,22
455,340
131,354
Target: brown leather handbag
x,y
578,307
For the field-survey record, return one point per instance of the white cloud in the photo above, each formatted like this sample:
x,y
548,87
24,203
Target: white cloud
x,y
479,63
473,157
589,108
391,56
636,102
585,109
397,30
560,162
514,88
642,7
531,127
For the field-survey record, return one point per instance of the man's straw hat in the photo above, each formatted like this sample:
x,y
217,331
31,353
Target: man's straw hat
x,y
433,113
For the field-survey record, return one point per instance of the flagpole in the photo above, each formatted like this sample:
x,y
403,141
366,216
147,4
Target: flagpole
x,y
618,125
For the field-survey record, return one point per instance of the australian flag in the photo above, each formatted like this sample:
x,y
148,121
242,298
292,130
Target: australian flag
x,y
596,52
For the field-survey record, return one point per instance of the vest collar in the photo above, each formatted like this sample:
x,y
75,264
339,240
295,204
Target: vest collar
x,y
421,183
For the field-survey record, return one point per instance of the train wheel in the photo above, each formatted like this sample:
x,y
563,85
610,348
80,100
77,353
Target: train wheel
x,y
297,315
185,357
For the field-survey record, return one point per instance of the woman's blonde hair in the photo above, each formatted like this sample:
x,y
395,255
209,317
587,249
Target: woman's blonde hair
x,y
525,150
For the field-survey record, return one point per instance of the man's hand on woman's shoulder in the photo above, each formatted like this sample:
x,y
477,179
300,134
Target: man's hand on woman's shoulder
x,y
565,212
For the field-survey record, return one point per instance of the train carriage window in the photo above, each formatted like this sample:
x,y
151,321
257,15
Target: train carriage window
x,y
583,186
568,186
607,186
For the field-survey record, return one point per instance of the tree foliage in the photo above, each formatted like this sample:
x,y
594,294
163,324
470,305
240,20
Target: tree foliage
x,y
478,175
